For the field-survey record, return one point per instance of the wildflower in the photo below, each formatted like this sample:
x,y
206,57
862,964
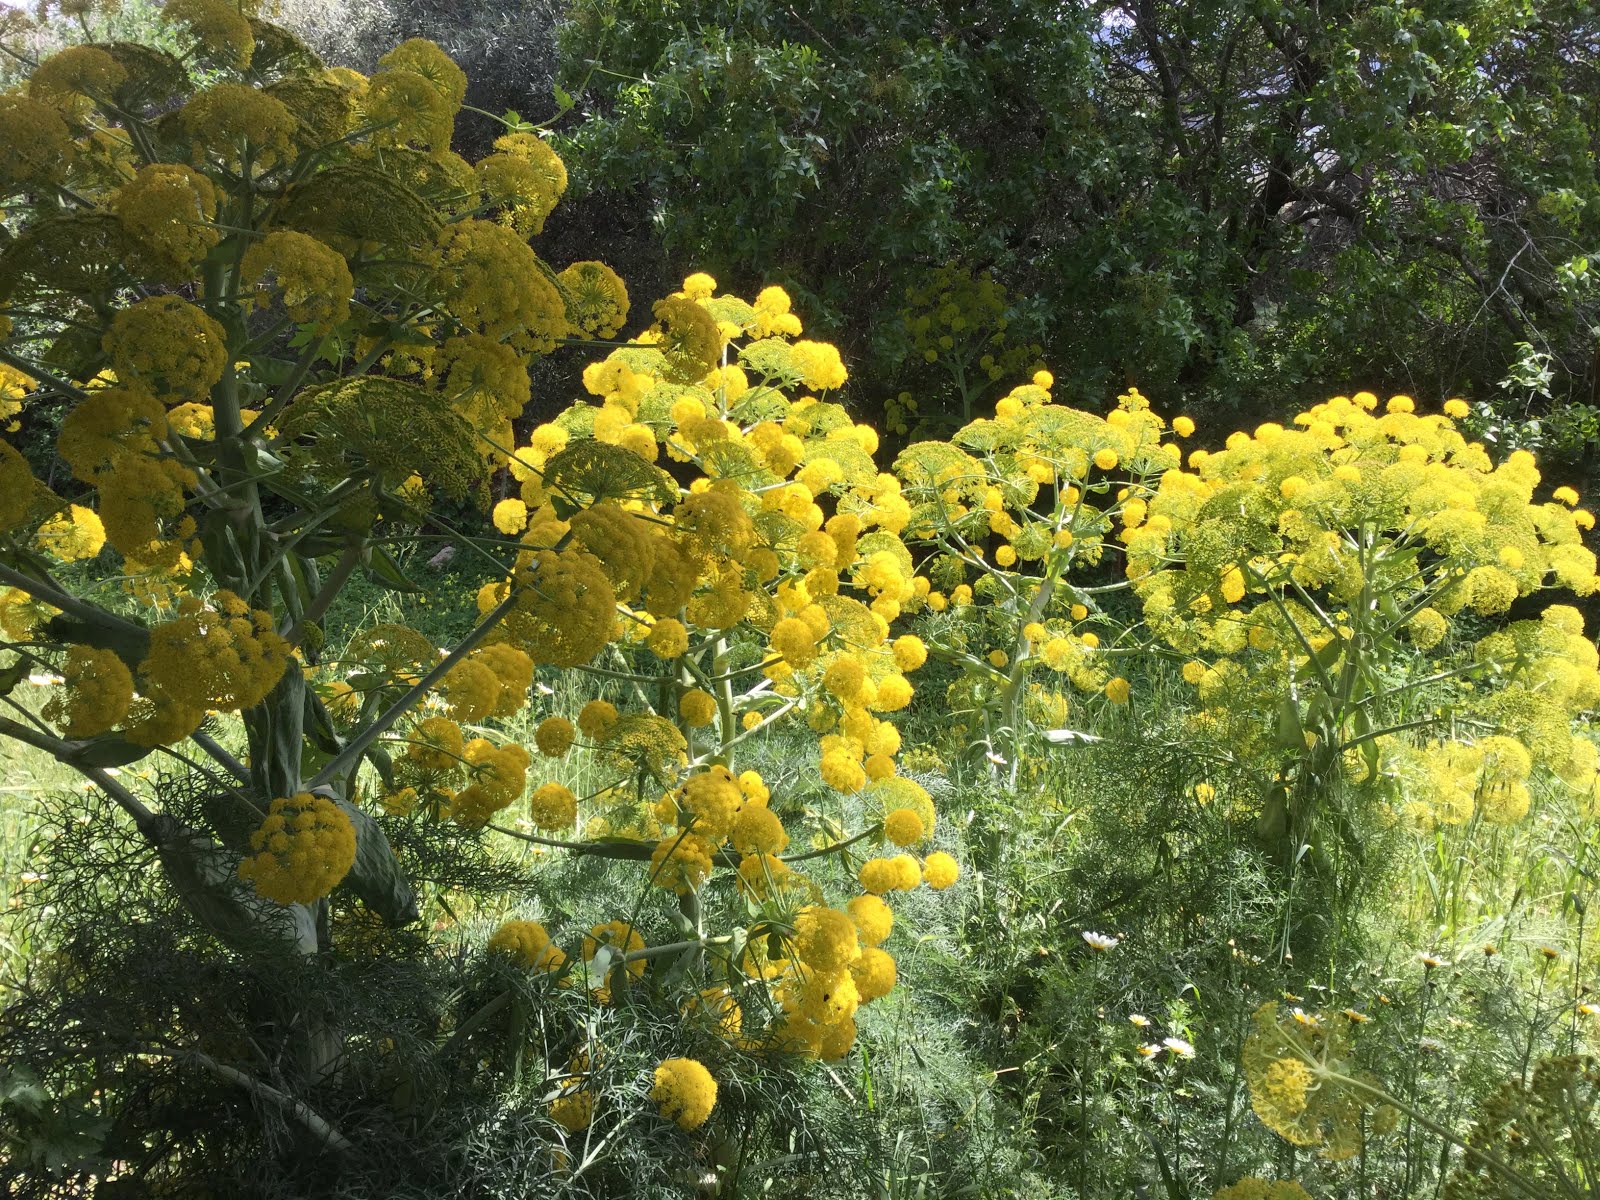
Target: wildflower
x,y
74,535
303,848
168,346
681,863
596,718
97,691
1100,941
35,145
880,875
684,1091
227,657
85,71
697,707
524,178
1177,1047
219,28
758,830
874,974
699,286
873,919
529,944
713,799
940,870
668,638
1139,1020
553,807
228,120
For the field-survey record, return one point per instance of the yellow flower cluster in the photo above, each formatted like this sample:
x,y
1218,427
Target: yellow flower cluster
x,y
684,1091
35,144
473,779
596,299
168,347
96,691
788,534
524,178
73,535
573,1106
414,96
303,849
961,317
1295,1070
235,127
168,210
529,944
312,277
222,656
217,27
383,190
111,439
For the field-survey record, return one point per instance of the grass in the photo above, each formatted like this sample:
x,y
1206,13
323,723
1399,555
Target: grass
x,y
26,775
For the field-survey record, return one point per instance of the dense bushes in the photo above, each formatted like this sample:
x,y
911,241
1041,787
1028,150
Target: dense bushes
x,y
1232,204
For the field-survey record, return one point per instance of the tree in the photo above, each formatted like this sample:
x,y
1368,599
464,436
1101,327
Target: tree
x,y
1225,203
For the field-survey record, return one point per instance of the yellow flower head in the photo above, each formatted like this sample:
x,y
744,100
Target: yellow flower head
x,y
303,848
684,1091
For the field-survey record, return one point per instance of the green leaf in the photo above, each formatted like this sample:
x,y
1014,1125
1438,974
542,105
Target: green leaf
x,y
563,98
1273,825
130,643
376,876
20,1086
277,737
206,878
1289,733
107,751
383,570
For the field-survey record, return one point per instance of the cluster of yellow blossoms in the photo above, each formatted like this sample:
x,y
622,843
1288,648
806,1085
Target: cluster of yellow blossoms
x,y
1297,1070
684,1091
303,848
711,520
787,533
1003,512
1296,559
1292,562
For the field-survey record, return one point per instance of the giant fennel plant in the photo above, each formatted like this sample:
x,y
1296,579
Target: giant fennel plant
x,y
1338,593
272,329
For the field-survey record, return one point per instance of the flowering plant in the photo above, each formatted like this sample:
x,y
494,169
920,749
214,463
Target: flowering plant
x,y
268,324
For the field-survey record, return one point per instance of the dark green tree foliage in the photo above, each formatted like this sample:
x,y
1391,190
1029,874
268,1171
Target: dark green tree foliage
x,y
1233,203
